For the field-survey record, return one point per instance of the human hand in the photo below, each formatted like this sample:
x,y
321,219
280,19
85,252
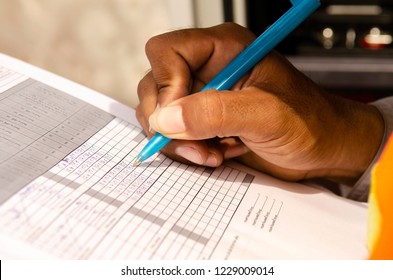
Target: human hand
x,y
275,119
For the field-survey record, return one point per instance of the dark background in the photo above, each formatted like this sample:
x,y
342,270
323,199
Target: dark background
x,y
347,63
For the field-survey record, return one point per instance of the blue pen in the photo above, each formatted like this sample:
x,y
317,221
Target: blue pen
x,y
246,60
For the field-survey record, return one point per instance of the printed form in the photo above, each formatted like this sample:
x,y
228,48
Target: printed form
x,y
69,190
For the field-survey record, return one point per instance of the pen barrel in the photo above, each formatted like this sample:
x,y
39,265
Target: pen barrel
x,y
156,143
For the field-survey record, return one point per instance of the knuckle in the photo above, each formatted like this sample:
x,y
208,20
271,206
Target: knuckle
x,y
152,44
164,41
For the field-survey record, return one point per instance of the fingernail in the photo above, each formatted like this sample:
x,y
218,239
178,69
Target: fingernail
x,y
168,120
189,154
211,160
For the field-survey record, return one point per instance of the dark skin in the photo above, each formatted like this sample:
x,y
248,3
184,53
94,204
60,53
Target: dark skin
x,y
274,119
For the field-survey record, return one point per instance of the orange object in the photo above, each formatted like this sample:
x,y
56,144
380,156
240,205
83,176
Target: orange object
x,y
380,218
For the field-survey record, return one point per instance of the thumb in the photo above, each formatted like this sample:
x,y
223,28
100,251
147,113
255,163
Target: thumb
x,y
206,115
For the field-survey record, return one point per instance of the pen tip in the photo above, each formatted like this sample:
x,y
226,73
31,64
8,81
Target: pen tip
x,y
137,162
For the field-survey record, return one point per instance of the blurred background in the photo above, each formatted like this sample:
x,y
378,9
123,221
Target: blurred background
x,y
346,46
98,43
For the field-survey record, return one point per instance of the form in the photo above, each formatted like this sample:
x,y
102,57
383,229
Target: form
x,y
95,204
38,127
92,202
69,190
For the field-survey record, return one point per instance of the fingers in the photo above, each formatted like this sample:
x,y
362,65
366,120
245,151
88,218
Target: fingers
x,y
232,147
147,93
173,56
196,152
212,114
210,152
184,61
205,153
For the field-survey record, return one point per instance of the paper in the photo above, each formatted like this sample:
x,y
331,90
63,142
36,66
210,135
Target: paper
x,y
39,126
71,191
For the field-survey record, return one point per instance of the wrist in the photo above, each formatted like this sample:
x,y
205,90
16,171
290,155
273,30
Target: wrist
x,y
359,130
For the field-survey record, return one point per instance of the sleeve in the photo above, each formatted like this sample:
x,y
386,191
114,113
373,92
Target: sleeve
x,y
361,189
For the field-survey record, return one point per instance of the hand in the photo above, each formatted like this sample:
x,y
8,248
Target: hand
x,y
275,119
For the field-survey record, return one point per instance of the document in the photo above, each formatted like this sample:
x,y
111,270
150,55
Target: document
x,y
69,190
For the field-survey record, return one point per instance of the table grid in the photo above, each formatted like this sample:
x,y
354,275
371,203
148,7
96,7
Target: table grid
x,y
39,126
95,204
